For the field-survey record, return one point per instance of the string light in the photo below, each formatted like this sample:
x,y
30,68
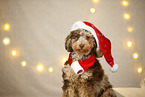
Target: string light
x,y
125,3
24,64
135,55
126,16
14,53
64,60
95,1
139,70
130,29
40,67
50,69
92,10
6,27
6,41
129,44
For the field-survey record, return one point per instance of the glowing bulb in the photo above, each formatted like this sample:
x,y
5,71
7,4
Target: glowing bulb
x,y
40,67
135,55
126,16
139,70
92,10
95,1
125,3
6,27
24,64
129,44
130,29
14,53
6,41
50,69
64,60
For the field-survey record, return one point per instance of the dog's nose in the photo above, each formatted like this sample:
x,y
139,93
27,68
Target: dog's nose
x,y
81,46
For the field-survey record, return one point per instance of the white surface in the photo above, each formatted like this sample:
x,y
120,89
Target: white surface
x,y
131,92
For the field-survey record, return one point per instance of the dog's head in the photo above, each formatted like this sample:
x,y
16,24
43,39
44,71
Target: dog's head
x,y
81,41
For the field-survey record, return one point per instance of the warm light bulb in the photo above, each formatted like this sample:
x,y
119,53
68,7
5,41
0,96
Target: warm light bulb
x,y
6,41
126,16
6,27
14,53
24,64
95,1
139,70
50,69
92,10
130,29
64,60
125,3
40,67
135,55
129,44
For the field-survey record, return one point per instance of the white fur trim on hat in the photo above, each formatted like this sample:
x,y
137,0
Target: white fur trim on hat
x,y
81,25
76,67
114,68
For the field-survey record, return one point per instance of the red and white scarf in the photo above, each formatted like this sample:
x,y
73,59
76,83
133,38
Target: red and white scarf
x,y
81,65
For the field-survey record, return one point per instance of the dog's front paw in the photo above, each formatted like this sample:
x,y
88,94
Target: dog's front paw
x,y
68,73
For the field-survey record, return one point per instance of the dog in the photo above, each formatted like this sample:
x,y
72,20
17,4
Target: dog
x,y
91,83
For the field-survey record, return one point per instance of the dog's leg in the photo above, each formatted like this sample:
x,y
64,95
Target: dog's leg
x,y
69,78
86,91
85,87
69,92
109,93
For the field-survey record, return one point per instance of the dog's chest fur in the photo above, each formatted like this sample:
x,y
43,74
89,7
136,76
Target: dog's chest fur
x,y
78,56
93,79
69,73
72,77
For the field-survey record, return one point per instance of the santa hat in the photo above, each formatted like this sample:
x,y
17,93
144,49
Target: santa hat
x,y
103,43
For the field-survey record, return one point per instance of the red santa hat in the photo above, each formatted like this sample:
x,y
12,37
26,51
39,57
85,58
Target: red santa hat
x,y
103,43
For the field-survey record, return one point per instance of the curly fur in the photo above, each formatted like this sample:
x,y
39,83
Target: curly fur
x,y
93,82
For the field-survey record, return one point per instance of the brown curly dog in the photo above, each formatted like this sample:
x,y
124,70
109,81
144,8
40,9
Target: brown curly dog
x,y
92,82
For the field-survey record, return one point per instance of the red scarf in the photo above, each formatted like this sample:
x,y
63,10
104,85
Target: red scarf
x,y
85,64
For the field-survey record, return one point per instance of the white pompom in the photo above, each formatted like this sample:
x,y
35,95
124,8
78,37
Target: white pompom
x,y
99,53
114,68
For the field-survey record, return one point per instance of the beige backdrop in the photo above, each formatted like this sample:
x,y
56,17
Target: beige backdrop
x,y
37,32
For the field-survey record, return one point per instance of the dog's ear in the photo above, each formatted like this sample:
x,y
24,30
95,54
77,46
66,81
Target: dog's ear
x,y
93,51
68,43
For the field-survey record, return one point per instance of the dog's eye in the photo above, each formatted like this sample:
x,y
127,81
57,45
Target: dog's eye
x,y
87,37
85,30
78,36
